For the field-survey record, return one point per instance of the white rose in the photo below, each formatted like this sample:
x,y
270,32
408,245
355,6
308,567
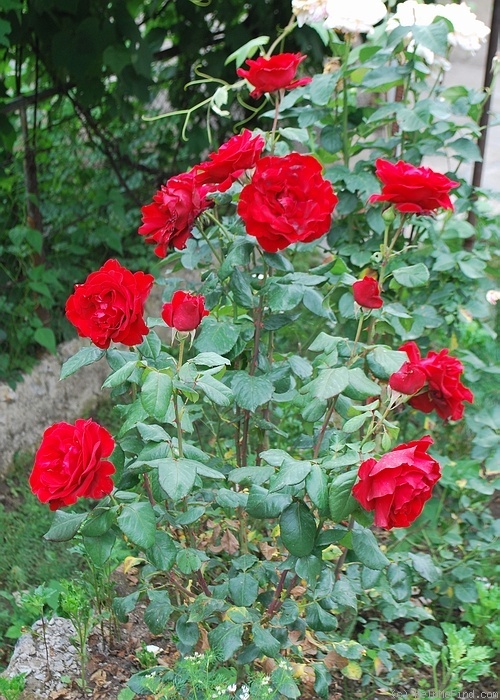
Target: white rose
x,y
468,31
354,16
412,13
309,11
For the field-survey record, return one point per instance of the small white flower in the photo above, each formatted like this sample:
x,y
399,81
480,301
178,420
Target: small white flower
x,y
492,296
153,649
468,31
309,11
354,16
231,688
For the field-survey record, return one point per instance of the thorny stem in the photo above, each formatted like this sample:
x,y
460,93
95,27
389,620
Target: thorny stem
x,y
277,104
358,334
341,559
277,593
147,488
203,583
324,426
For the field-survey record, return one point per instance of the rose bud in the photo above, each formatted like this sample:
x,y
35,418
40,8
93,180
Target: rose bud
x,y
366,293
185,311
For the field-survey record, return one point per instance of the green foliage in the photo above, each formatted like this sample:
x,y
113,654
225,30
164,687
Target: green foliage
x,y
12,688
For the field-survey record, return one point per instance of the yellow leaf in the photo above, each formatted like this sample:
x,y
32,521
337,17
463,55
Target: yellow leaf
x,y
352,671
130,562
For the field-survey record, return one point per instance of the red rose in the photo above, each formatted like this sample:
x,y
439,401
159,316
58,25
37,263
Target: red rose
x,y
70,464
444,391
168,221
409,379
240,153
287,201
274,73
366,293
109,305
185,311
398,484
412,189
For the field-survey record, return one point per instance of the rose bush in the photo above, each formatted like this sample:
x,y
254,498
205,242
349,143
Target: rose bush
x,y
258,457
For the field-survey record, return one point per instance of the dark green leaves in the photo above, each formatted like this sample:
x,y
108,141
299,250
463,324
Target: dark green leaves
x,y
367,550
341,501
244,589
64,526
176,476
155,395
251,392
217,337
298,529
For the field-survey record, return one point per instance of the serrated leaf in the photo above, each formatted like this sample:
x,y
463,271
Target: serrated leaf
x,y
177,476
317,487
120,375
251,475
244,589
290,473
262,504
251,392
214,390
383,362
156,393
355,423
215,336
298,529
158,612
188,560
341,501
163,552
138,522
64,526
210,359
264,640
84,357
225,639
330,382
366,548
411,276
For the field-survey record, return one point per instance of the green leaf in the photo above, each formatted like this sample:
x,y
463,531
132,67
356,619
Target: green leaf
x,y
225,639
210,359
399,579
155,395
121,375
360,386
355,423
383,362
98,522
239,283
217,337
262,504
186,629
330,382
214,390
433,36
99,548
64,526
85,356
284,297
319,619
264,640
366,548
308,568
317,488
331,138
150,346
138,522
123,606
322,87
290,473
163,552
158,612
250,475
244,589
188,560
46,338
411,276
341,501
251,392
247,50
423,565
176,476
343,593
298,529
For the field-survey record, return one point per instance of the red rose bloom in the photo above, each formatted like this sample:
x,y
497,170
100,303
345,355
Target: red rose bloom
x,y
240,153
185,311
109,305
287,201
274,73
444,391
168,221
398,484
366,293
414,190
70,463
409,379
